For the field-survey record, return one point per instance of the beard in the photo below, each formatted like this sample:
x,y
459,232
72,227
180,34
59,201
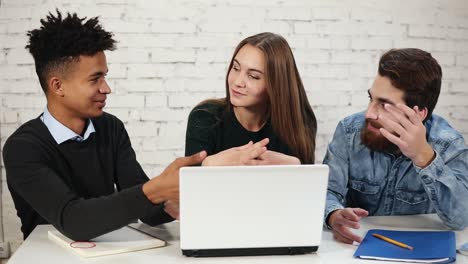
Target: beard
x,y
375,141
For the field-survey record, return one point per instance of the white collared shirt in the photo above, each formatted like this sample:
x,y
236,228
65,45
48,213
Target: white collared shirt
x,y
62,133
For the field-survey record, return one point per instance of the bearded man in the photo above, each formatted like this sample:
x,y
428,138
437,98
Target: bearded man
x,y
397,158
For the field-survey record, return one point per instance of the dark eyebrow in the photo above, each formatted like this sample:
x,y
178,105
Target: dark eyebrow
x,y
381,100
98,74
255,70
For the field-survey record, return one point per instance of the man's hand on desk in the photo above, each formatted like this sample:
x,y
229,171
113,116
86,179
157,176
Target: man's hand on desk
x,y
342,220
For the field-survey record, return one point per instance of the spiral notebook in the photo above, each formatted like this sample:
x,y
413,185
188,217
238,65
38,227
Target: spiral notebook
x,y
123,240
429,246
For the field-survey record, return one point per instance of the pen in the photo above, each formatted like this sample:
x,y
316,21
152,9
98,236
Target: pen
x,y
394,242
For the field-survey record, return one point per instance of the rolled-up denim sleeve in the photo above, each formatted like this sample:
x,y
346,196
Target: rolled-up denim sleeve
x,y
338,161
445,181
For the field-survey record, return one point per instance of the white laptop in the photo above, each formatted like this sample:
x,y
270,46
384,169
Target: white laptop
x,y
252,210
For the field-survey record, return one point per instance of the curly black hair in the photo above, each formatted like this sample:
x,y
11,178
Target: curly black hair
x,y
60,41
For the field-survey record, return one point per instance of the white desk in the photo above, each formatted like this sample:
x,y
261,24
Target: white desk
x,y
39,249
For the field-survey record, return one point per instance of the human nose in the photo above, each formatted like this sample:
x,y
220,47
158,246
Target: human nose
x,y
371,112
105,89
239,80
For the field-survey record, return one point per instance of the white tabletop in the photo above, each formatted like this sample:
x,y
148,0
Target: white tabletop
x,y
39,249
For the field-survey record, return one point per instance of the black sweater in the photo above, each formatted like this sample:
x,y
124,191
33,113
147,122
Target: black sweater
x,y
213,129
85,189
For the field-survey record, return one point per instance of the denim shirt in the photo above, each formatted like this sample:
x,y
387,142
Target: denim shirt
x,y
386,184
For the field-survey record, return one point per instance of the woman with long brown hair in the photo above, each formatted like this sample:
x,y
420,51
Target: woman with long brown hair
x,y
265,117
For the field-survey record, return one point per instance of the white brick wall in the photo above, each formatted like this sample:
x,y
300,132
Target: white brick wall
x,y
173,54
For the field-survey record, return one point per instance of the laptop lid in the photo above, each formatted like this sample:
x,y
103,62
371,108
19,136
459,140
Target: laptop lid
x,y
252,207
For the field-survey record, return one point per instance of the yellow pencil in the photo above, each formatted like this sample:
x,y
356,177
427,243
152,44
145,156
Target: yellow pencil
x,y
394,242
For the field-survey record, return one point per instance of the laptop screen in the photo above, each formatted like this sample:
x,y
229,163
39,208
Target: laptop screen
x,y
252,206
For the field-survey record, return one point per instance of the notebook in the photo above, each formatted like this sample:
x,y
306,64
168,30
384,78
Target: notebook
x,y
119,241
252,210
429,246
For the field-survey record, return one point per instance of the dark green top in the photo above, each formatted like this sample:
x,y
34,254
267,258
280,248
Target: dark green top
x,y
213,129
84,189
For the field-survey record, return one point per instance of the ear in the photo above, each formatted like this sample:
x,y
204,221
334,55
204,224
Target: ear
x,y
56,87
421,112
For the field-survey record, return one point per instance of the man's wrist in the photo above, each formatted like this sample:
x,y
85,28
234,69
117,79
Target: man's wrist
x,y
426,157
327,220
153,190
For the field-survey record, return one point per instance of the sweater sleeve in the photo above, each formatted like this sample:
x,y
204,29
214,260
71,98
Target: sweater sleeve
x,y
129,173
201,130
30,176
43,189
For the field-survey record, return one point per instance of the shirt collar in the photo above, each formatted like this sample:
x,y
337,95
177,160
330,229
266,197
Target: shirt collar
x,y
62,133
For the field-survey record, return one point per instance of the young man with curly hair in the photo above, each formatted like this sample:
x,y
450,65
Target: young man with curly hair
x,y
74,166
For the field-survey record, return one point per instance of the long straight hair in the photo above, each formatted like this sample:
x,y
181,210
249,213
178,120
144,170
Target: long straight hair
x,y
291,115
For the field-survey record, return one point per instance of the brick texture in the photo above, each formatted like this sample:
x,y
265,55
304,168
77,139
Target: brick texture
x,y
173,54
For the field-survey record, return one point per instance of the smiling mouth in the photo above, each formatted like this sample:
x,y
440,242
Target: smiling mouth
x,y
237,93
101,103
